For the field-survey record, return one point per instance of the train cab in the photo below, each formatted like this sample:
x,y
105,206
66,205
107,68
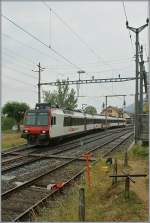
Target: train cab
x,y
37,124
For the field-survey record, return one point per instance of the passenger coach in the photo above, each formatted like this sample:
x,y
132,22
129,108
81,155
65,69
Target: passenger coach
x,y
45,123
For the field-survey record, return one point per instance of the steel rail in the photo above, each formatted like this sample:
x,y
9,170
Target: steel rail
x,y
50,156
116,146
29,210
6,169
6,193
16,152
99,147
101,137
17,149
19,217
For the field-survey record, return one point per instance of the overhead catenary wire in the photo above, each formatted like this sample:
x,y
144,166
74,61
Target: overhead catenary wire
x,y
15,55
43,43
30,47
18,71
77,35
126,21
100,71
20,81
20,91
14,60
91,66
21,72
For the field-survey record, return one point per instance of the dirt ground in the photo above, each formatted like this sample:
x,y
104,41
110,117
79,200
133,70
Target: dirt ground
x,y
139,187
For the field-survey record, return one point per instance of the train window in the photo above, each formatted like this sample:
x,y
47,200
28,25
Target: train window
x,y
42,118
30,119
53,120
68,121
36,119
77,121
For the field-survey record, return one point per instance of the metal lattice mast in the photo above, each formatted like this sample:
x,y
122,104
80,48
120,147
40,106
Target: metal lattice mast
x,y
137,31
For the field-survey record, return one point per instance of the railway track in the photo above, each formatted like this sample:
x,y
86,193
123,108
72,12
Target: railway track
x,y
35,163
28,158
25,148
31,193
17,153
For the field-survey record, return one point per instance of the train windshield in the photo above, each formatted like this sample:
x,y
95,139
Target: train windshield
x,y
36,118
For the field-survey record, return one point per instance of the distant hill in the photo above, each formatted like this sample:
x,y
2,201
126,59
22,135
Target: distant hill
x,y
130,108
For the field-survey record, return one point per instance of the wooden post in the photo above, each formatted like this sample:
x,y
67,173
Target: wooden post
x,y
126,159
87,156
128,178
115,168
81,205
114,179
127,187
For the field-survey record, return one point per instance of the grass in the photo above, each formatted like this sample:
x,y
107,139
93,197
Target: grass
x,y
10,139
139,151
104,202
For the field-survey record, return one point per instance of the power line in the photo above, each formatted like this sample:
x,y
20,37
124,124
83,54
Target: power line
x,y
37,39
77,35
22,82
30,47
53,67
18,71
126,21
8,77
118,69
11,58
14,55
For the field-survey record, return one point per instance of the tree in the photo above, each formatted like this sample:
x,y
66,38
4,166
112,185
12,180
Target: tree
x,y
90,110
15,110
7,123
63,97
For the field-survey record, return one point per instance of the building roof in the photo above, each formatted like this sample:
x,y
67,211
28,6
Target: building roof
x,y
113,107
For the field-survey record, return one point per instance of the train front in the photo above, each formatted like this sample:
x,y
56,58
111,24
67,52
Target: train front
x,y
36,127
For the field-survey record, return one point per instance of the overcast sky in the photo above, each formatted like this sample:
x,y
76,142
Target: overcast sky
x,y
105,50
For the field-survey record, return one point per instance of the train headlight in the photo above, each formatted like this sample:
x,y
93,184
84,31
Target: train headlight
x,y
43,131
26,131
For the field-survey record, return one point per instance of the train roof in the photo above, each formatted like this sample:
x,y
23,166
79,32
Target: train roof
x,y
44,107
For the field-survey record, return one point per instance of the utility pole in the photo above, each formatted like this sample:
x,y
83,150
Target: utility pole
x,y
78,86
39,80
137,31
106,113
141,79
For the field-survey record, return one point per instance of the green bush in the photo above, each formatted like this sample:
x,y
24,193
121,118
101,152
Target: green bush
x,y
141,151
7,123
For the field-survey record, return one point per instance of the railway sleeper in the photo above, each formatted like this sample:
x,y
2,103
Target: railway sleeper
x,y
9,215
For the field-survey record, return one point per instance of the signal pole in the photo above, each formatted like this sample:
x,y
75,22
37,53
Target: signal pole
x,y
39,81
137,31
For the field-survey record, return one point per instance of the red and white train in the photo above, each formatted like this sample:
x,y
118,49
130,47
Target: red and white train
x,y
45,123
